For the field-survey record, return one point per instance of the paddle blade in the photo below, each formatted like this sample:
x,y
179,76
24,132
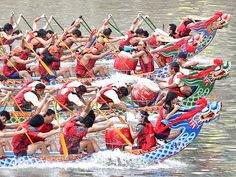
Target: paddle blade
x,y
46,68
63,145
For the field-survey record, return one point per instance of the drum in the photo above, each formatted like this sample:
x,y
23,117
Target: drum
x,y
125,62
145,93
113,140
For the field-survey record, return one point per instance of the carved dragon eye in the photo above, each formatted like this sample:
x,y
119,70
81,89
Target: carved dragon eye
x,y
206,109
218,68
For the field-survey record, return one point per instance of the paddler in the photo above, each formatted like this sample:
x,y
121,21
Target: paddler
x,y
29,95
144,133
4,144
78,127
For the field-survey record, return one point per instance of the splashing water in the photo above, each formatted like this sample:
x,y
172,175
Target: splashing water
x,y
106,160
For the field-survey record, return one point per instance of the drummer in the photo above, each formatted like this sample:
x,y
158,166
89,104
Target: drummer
x,y
144,133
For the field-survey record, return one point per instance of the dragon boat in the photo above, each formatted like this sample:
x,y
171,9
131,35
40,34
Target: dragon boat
x,y
145,92
189,120
203,30
203,83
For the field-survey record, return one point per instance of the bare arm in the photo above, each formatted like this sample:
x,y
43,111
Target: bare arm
x,y
35,27
66,57
134,23
43,105
138,54
99,128
47,23
11,134
12,126
96,57
161,79
48,134
176,108
122,105
8,37
41,41
131,131
18,60
102,119
190,63
104,25
88,107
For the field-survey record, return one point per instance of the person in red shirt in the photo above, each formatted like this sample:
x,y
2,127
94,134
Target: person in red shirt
x,y
172,30
169,108
34,140
29,95
183,28
11,63
47,126
145,58
78,127
174,83
144,133
85,66
111,94
4,144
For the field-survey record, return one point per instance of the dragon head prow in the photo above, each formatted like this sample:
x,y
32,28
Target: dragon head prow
x,y
222,21
221,71
209,113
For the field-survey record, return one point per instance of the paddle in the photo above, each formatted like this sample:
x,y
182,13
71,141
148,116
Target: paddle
x,y
27,22
115,26
58,23
88,28
72,35
72,112
18,106
41,61
19,122
48,22
151,22
112,19
144,19
107,41
115,128
62,139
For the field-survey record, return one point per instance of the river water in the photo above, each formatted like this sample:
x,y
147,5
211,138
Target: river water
x,y
214,151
